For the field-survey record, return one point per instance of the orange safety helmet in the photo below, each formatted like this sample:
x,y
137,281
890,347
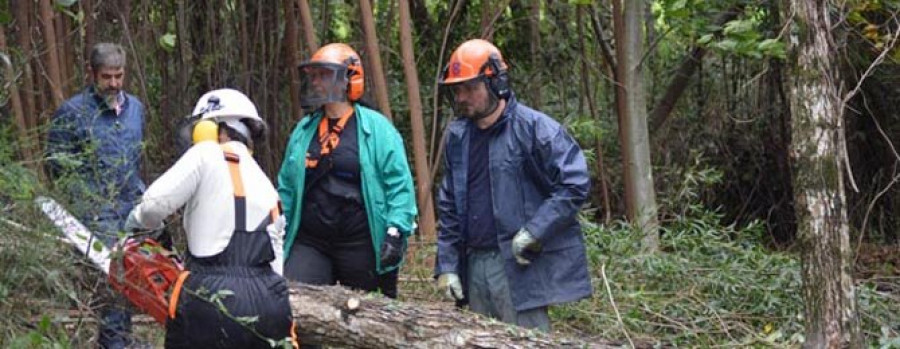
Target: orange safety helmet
x,y
346,70
478,58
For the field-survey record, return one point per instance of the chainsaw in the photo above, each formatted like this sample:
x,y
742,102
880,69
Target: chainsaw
x,y
138,266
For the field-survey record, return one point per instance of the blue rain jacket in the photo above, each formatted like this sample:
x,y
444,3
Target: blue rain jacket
x,y
539,180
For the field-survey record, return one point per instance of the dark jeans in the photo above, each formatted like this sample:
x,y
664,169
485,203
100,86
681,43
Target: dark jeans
x,y
349,264
114,330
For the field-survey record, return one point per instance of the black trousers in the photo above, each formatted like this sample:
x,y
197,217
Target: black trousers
x,y
350,264
257,293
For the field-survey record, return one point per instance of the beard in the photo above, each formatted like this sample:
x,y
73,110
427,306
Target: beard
x,y
468,111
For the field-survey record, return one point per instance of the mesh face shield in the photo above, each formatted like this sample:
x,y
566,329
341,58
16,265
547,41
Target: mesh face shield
x,y
472,98
322,83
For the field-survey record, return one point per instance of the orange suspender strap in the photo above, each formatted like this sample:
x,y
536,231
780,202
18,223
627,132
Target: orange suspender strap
x,y
328,139
240,199
176,293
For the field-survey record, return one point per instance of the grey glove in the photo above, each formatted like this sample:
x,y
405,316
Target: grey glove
x,y
132,224
524,241
450,283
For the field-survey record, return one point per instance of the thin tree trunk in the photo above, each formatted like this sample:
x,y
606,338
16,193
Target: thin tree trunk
x,y
534,26
818,177
374,54
62,51
291,56
589,96
53,71
309,30
184,55
23,15
640,195
683,75
420,154
87,7
336,316
15,99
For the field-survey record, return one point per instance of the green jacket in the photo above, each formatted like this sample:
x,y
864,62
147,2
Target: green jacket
x,y
387,184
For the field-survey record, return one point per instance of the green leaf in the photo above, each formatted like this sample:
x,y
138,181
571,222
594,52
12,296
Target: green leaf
x,y
705,39
167,42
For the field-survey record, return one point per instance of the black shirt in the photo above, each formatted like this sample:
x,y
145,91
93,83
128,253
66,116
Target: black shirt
x,y
333,207
481,231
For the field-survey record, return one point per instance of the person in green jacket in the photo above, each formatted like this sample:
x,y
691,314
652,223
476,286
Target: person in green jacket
x,y
345,183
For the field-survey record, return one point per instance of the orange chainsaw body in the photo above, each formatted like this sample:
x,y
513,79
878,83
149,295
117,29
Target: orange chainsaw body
x,y
145,274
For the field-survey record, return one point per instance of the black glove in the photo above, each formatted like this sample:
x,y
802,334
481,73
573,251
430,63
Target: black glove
x,y
391,249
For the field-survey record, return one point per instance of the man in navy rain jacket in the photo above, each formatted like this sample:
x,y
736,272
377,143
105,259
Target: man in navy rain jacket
x,y
93,154
514,181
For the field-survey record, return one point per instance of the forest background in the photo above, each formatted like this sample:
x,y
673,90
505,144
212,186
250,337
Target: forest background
x,y
688,112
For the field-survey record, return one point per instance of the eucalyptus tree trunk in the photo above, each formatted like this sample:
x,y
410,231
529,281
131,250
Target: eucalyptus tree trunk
x,y
16,102
534,45
22,12
640,196
291,57
818,162
53,71
338,317
309,31
420,154
374,54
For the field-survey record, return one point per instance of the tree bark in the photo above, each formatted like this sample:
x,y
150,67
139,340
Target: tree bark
x,y
589,96
534,29
818,176
53,71
23,15
309,31
374,55
291,56
333,315
420,154
15,100
87,7
640,195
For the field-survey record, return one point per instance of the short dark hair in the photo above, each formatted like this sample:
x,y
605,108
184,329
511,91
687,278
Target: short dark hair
x,y
107,55
257,130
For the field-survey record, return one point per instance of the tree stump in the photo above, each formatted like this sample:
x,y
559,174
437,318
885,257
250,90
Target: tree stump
x,y
334,315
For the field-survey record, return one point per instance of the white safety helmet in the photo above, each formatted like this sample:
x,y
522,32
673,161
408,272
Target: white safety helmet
x,y
228,106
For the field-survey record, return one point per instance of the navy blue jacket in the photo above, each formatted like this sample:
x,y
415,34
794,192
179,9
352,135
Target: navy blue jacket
x,y
539,180
95,155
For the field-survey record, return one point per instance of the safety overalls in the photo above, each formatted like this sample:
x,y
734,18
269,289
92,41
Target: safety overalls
x,y
232,299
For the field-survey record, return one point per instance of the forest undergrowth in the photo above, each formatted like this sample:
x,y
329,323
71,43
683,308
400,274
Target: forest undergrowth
x,y
711,285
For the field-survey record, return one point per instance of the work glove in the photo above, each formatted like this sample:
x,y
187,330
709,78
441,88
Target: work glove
x,y
391,248
522,242
450,283
132,224
276,234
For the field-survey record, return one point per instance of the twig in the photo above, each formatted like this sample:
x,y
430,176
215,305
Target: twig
x,y
613,303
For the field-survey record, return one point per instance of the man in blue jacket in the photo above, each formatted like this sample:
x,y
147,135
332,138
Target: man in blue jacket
x,y
93,154
514,181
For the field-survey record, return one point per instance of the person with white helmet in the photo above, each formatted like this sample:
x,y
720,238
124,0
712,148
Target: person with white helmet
x,y
234,231
345,182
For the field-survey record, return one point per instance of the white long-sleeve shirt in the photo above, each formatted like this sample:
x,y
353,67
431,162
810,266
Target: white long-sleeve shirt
x,y
200,181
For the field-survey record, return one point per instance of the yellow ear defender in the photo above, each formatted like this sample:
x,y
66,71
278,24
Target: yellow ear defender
x,y
205,130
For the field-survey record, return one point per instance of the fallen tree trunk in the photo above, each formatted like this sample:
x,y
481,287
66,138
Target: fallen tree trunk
x,y
333,315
